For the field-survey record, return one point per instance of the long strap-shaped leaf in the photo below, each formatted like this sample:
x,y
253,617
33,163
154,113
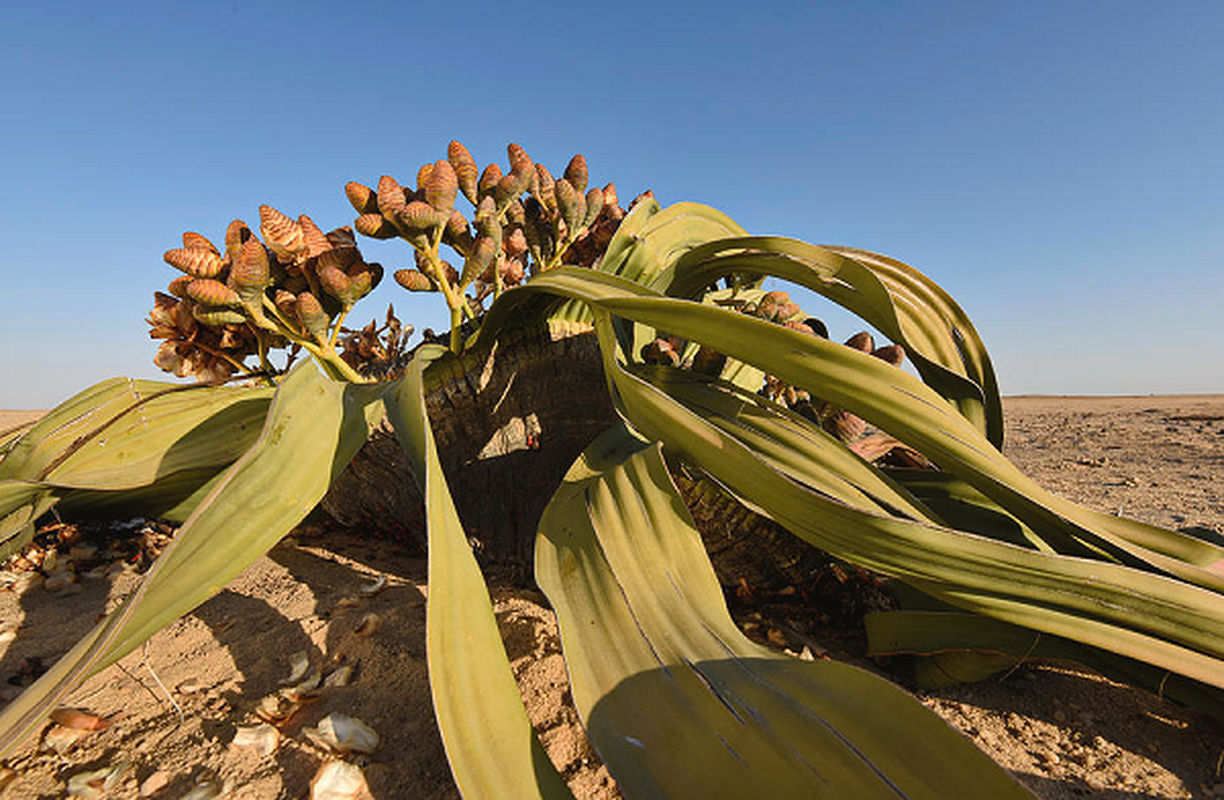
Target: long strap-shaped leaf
x,y
900,301
789,443
78,414
677,701
1152,618
906,282
124,432
959,647
648,239
1174,624
492,749
906,408
313,429
21,503
123,435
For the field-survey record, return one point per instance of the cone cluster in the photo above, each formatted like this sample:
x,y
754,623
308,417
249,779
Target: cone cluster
x,y
522,221
293,286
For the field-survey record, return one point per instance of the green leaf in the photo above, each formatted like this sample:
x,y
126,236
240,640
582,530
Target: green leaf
x,y
124,444
905,305
21,504
313,429
1136,613
1171,622
76,417
492,748
786,441
677,701
9,437
964,507
649,239
957,647
906,408
179,430
171,498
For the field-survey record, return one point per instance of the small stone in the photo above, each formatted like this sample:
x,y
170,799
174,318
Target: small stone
x,y
154,783
190,686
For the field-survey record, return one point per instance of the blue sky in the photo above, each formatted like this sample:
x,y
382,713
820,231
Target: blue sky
x,y
1058,167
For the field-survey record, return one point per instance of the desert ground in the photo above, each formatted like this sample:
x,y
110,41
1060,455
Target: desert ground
x,y
174,707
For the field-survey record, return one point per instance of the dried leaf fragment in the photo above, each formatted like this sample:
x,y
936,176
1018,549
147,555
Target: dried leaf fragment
x,y
278,708
78,719
339,780
371,589
342,734
189,686
262,738
340,676
98,782
304,689
299,663
61,739
369,623
88,784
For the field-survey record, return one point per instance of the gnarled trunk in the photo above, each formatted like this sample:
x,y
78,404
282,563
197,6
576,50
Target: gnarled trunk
x,y
509,423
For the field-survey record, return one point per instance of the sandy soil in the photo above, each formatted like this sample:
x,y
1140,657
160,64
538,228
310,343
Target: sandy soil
x,y
174,707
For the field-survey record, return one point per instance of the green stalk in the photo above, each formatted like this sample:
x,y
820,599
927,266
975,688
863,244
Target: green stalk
x,y
262,345
335,366
325,354
555,260
455,304
331,341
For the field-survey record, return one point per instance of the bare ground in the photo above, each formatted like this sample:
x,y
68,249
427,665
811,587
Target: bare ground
x,y
174,707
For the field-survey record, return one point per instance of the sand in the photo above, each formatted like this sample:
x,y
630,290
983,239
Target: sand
x,y
175,705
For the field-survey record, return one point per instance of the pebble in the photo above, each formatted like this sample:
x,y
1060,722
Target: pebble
x,y
154,783
190,686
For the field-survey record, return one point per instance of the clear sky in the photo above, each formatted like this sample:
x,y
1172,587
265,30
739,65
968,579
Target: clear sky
x,y
1057,166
